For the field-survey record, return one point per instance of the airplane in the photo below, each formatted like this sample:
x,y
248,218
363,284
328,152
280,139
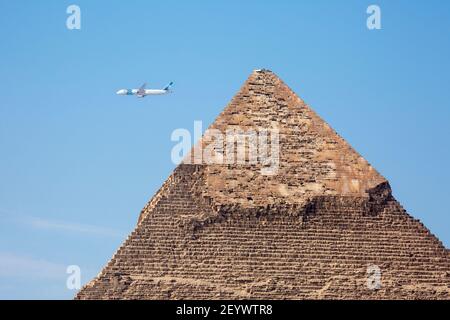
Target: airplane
x,y
142,92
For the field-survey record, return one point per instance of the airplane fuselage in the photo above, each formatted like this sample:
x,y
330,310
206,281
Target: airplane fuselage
x,y
146,92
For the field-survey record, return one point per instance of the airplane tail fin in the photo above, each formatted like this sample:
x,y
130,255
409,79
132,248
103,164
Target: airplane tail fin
x,y
167,88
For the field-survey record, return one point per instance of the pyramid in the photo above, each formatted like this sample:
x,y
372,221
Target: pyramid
x,y
323,225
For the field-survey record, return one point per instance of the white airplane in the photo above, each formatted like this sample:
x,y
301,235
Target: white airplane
x,y
142,92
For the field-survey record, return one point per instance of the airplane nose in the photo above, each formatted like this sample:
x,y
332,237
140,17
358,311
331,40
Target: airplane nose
x,y
121,92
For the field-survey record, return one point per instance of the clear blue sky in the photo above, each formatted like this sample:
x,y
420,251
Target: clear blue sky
x,y
77,162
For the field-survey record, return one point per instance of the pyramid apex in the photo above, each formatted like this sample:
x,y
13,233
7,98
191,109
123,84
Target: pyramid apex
x,y
309,158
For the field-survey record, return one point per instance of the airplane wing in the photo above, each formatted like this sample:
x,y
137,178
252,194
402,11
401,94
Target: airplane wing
x,y
141,90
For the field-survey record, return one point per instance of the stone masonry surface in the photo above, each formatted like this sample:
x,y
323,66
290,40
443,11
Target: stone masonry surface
x,y
225,231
